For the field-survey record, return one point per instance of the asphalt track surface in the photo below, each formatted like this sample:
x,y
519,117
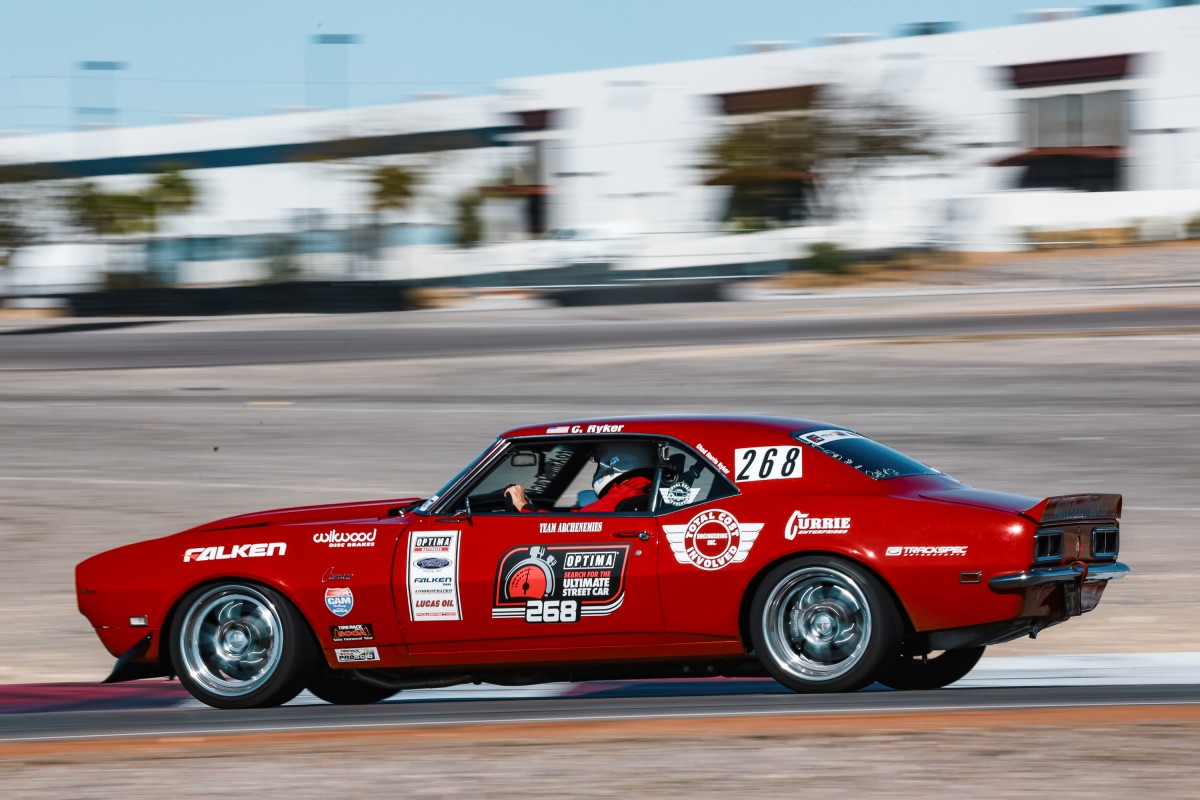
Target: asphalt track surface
x,y
155,345
67,726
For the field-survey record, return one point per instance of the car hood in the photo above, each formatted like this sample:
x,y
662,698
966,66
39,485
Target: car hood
x,y
337,512
982,498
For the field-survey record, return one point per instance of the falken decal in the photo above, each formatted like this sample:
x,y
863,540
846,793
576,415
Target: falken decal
x,y
259,550
560,583
712,539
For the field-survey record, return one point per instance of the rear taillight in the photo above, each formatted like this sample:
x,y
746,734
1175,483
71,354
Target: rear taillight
x,y
1105,541
1048,546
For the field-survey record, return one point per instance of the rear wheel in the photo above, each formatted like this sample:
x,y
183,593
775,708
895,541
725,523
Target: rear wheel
x,y
239,645
930,672
340,687
823,625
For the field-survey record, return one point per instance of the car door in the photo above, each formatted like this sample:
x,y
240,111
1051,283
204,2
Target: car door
x,y
500,586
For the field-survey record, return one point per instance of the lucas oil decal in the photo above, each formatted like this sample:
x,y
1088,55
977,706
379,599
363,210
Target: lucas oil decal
x,y
560,583
433,576
712,539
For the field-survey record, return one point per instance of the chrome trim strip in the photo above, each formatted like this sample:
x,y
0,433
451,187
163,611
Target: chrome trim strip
x,y
1037,577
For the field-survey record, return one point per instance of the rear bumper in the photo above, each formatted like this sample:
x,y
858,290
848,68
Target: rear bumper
x,y
1095,573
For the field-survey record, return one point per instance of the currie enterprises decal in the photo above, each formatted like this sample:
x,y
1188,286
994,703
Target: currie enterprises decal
x,y
801,524
363,632
560,583
433,576
259,550
766,463
349,655
712,539
336,538
339,600
949,550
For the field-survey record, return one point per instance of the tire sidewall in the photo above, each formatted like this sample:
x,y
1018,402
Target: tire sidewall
x,y
295,661
882,643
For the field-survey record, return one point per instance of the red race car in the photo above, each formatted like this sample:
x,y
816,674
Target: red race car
x,y
616,548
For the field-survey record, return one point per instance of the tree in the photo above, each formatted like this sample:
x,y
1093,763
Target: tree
x,y
123,214
14,232
470,226
393,188
788,166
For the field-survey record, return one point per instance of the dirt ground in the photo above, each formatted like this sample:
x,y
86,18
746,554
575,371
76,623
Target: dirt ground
x,y
1097,753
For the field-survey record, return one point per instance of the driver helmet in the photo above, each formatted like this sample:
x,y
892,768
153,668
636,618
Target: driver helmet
x,y
614,460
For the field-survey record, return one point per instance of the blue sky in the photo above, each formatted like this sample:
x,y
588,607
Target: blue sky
x,y
250,57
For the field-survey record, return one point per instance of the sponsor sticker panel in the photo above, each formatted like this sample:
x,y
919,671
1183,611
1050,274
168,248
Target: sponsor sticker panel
x,y
335,538
433,585
918,551
560,583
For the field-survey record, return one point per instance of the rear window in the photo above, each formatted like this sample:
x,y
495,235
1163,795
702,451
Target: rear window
x,y
868,457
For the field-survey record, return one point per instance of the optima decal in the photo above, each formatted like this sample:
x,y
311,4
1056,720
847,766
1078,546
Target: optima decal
x,y
712,540
259,550
801,524
560,583
336,538
433,576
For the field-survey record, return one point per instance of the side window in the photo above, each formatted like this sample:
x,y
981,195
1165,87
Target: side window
x,y
687,480
544,469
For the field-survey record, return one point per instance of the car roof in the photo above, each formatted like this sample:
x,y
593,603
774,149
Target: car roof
x,y
679,426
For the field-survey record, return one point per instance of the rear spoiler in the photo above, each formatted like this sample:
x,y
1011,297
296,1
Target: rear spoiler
x,y
1070,507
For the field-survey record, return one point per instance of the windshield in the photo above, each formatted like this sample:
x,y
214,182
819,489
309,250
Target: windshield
x,y
425,506
868,457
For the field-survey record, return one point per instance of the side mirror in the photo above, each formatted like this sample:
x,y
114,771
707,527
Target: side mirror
x,y
523,459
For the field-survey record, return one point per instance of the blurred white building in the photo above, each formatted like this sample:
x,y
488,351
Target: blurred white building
x,y
1063,122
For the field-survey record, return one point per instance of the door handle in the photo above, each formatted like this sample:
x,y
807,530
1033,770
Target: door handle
x,y
631,535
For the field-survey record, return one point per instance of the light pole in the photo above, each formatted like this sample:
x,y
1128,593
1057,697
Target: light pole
x,y
327,78
94,97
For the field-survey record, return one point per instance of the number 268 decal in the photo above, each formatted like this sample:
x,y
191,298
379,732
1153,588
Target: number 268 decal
x,y
766,463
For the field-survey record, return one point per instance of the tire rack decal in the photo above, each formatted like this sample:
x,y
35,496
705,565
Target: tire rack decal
x,y
591,575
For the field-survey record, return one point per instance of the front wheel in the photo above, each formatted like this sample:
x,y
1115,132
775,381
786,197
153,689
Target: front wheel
x,y
340,687
823,625
240,645
930,672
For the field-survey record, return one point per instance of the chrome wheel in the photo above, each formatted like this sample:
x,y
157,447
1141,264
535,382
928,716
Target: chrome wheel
x,y
231,640
823,624
817,623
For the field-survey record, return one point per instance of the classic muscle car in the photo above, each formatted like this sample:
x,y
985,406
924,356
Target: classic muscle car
x,y
751,546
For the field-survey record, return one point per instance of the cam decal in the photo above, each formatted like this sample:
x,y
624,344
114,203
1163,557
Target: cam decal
x,y
560,583
339,600
801,524
433,576
712,539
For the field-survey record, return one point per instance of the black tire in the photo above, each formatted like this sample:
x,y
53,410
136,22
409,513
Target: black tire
x,y
240,645
930,672
821,624
341,688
